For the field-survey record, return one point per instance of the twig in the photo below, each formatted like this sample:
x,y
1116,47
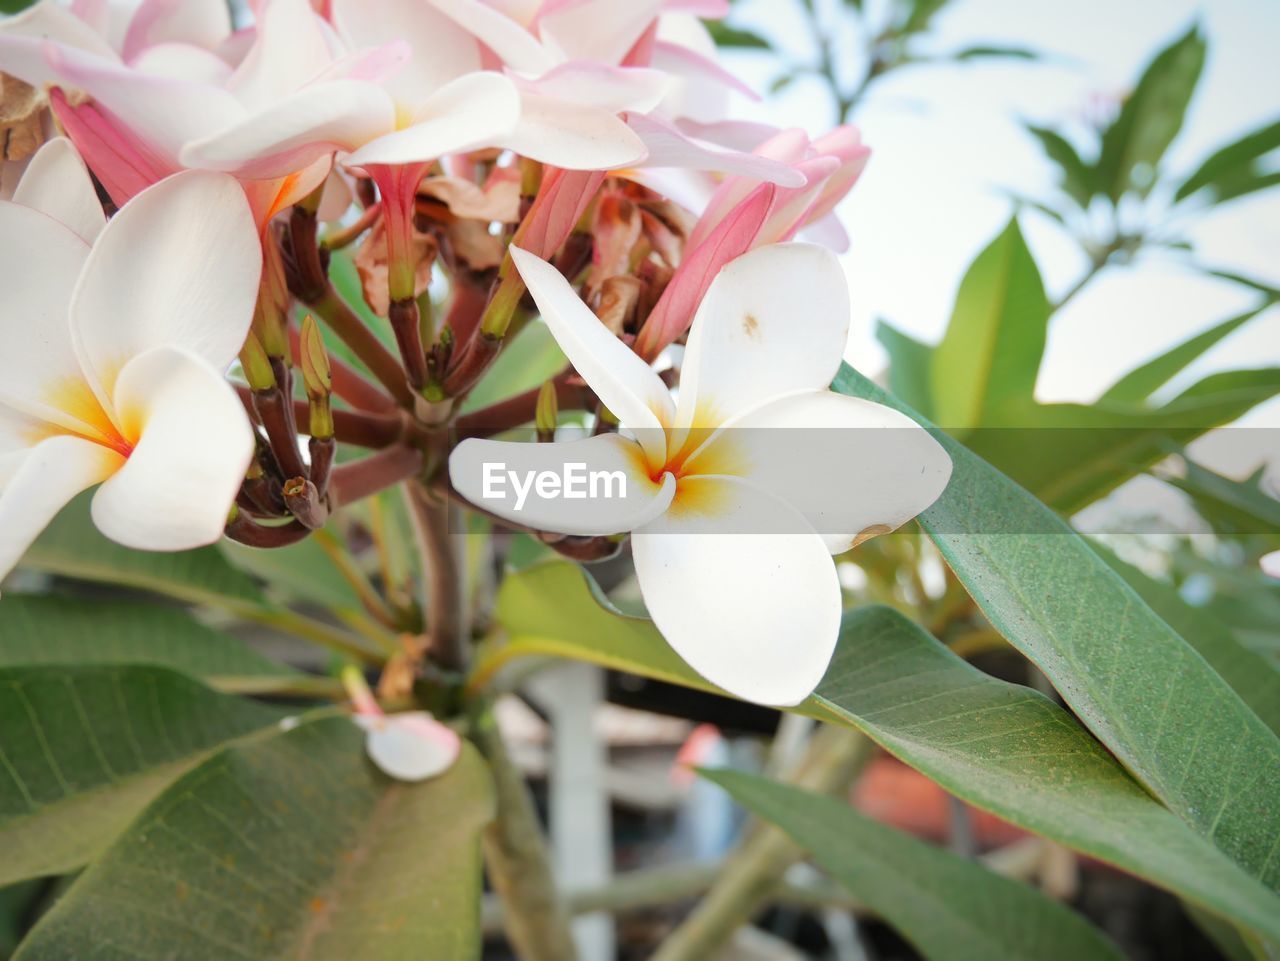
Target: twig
x,y
434,520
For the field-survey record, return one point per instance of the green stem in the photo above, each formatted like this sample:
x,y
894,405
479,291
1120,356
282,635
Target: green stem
x,y
291,622
752,873
534,915
434,522
344,322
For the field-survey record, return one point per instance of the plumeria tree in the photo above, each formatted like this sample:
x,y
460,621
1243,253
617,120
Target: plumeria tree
x,y
377,325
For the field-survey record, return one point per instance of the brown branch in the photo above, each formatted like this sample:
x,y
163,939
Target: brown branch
x,y
352,482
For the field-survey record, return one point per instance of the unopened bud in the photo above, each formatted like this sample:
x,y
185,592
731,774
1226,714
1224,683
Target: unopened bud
x,y
317,378
314,358
547,412
256,364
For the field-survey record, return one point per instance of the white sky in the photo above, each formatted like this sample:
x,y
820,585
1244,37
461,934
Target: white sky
x,y
945,138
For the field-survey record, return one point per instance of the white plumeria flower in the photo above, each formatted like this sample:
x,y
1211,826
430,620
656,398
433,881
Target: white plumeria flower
x,y
732,519
116,337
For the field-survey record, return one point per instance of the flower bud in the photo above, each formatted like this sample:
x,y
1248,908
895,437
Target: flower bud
x,y
316,376
256,364
547,412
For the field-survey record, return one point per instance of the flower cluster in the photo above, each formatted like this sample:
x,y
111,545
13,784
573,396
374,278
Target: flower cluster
x,y
489,157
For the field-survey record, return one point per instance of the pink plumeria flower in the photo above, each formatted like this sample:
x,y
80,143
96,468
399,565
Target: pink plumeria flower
x,y
740,215
148,108
737,493
116,340
410,746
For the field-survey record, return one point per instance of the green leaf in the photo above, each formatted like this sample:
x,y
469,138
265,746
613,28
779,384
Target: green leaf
x,y
1141,382
287,847
727,36
1079,179
72,547
1249,674
1234,507
1000,746
530,360
1151,117
949,908
910,366
1246,183
44,630
299,572
1149,697
83,749
1084,452
991,352
1227,165
920,14
15,6
982,52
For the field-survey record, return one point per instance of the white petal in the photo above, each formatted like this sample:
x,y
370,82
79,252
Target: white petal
x,y
612,88
609,481
198,23
412,746
192,444
178,266
572,135
852,467
163,112
22,38
671,147
40,260
290,50
625,384
755,613
516,46
283,138
600,30
473,111
773,321
57,183
181,61
441,50
53,472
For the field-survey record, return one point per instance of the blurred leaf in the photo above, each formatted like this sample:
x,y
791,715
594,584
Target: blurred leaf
x,y
782,82
299,572
1271,292
14,6
1231,506
45,630
1079,179
1248,673
1021,202
1222,933
73,547
290,846
1226,166
1002,747
1151,117
532,358
1244,184
991,352
727,36
1141,382
910,366
983,52
920,13
948,908
83,749
1083,452
1142,690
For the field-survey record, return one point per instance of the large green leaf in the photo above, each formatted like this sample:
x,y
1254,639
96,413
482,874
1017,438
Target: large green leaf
x,y
1248,672
73,547
1000,746
1225,167
910,367
1151,117
299,572
43,630
1141,382
1070,455
1155,702
83,749
991,352
286,847
949,908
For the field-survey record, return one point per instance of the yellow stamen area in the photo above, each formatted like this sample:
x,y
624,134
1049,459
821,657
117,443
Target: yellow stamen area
x,y
75,398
